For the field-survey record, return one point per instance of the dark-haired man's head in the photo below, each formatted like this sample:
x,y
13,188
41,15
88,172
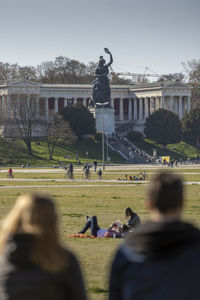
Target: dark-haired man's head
x,y
165,195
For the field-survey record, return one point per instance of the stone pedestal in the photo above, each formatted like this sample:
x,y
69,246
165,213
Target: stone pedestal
x,y
104,119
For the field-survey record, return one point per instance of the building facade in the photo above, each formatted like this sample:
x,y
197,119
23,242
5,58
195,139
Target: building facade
x,y
132,103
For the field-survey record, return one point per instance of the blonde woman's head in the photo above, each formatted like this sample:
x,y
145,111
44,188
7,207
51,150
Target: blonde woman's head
x,y
35,214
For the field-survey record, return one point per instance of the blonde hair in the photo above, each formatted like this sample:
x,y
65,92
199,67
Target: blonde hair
x,y
35,214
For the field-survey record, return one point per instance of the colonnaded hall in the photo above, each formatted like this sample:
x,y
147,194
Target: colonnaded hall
x,y
132,103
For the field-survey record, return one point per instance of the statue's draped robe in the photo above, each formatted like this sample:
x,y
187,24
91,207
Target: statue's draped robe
x,y
101,89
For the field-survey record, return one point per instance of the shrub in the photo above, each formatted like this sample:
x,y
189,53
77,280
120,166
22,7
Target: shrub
x,y
135,136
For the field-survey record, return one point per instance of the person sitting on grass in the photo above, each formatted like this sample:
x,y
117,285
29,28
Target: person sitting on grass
x,y
132,219
161,260
115,229
33,263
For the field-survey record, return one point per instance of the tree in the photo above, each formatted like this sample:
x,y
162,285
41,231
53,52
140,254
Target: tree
x,y
191,126
80,119
8,71
139,79
58,131
14,71
172,77
24,115
28,73
164,127
66,70
116,79
192,69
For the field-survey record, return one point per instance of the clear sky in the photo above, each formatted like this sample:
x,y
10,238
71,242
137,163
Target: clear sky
x,y
159,34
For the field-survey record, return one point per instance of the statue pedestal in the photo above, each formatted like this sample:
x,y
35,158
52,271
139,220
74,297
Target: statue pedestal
x,y
104,116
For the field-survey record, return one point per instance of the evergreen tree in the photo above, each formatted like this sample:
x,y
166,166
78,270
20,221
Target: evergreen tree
x,y
80,119
164,127
191,126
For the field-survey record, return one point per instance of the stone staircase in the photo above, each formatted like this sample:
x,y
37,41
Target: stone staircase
x,y
129,151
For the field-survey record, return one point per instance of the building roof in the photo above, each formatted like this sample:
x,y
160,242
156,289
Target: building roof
x,y
130,87
80,86
159,85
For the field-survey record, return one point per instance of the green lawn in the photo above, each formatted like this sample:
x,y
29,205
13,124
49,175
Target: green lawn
x,y
14,152
108,203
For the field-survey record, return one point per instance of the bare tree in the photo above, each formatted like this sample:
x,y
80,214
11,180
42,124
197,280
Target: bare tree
x,y
23,113
172,77
8,71
58,131
192,68
139,79
14,71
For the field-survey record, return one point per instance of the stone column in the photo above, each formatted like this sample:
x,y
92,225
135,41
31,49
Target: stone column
x,y
157,102
55,105
180,108
46,109
8,106
75,101
65,102
162,102
112,102
37,107
28,102
17,108
121,112
140,109
130,109
152,105
171,104
84,102
135,109
146,108
3,104
188,104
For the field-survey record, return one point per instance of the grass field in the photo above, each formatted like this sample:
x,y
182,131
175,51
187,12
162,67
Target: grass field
x,y
14,152
107,200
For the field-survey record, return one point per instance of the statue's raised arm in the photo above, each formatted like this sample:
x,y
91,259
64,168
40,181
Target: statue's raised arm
x,y
111,58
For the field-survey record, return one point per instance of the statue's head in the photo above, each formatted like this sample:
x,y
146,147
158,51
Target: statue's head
x,y
101,61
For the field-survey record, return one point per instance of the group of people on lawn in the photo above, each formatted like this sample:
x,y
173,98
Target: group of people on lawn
x,y
159,259
116,229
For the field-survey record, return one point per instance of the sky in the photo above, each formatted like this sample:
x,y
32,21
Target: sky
x,y
158,34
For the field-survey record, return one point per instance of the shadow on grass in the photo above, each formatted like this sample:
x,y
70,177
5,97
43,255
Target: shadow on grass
x,y
73,215
97,290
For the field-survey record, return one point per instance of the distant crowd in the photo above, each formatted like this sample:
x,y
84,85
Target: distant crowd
x,y
158,259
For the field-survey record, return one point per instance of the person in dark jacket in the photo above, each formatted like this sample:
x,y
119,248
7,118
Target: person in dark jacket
x,y
33,263
133,220
161,259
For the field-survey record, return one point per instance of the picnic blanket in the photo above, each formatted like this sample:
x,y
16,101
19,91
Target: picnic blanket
x,y
80,235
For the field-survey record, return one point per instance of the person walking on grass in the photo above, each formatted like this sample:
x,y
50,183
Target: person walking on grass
x,y
161,259
33,263
95,165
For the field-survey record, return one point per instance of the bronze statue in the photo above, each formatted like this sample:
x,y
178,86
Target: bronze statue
x,y
101,86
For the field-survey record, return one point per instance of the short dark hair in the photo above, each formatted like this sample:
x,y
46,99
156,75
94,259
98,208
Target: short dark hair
x,y
165,192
